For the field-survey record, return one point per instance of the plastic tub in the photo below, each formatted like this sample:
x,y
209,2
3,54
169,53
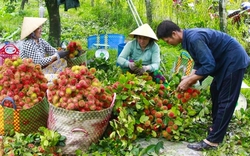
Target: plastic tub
x,y
113,40
120,48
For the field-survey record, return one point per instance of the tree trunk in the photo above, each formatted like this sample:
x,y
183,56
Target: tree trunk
x,y
54,22
92,3
222,15
149,11
23,3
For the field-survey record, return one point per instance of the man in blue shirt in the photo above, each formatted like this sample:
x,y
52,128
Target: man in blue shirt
x,y
216,54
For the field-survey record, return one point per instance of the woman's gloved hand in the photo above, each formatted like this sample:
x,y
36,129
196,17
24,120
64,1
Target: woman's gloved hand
x,y
140,71
132,66
63,53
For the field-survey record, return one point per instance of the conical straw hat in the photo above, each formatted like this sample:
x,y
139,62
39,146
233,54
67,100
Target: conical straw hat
x,y
144,30
30,24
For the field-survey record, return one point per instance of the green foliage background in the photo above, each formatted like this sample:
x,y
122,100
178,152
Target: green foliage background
x,y
114,16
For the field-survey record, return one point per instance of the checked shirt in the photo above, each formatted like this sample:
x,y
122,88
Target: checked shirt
x,y
41,52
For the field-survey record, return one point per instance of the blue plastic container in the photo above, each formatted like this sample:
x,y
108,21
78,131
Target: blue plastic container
x,y
120,48
113,40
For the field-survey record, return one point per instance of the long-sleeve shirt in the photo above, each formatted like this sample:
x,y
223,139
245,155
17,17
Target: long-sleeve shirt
x,y
41,52
132,51
215,53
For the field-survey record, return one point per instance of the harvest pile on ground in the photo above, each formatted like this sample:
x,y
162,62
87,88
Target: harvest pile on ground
x,y
150,109
146,109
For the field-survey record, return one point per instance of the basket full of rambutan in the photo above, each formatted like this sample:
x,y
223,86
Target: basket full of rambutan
x,y
77,56
24,106
80,107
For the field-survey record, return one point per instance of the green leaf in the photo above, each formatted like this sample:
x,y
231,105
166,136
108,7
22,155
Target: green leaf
x,y
121,132
201,113
176,137
159,146
191,112
135,151
138,63
138,106
178,121
153,133
143,152
145,101
128,86
150,149
124,143
143,118
206,110
122,113
46,143
78,152
122,79
139,129
203,119
112,135
29,138
62,144
62,138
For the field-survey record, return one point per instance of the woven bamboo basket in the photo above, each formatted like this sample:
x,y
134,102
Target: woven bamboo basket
x,y
80,60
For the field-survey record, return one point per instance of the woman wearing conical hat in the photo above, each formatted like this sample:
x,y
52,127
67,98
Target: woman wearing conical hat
x,y
143,47
34,46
